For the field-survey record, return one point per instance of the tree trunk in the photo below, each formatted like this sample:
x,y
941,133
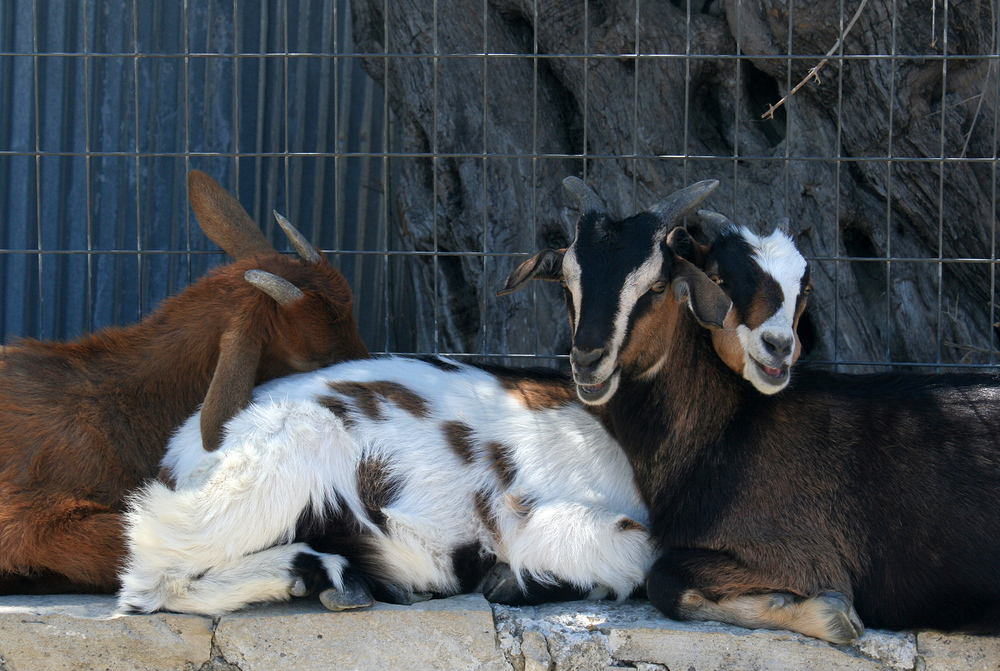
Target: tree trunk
x,y
496,136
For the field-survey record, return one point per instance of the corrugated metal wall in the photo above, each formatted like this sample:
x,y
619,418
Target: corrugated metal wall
x,y
105,106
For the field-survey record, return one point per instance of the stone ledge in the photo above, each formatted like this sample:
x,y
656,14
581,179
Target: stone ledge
x,y
72,632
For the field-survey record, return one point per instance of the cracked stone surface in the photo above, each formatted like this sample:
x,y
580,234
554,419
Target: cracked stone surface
x,y
51,632
76,632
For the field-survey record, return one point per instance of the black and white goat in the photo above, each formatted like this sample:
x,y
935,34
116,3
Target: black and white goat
x,y
776,510
419,474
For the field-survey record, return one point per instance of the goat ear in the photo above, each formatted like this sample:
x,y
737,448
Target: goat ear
x,y
709,304
223,219
232,384
545,265
683,245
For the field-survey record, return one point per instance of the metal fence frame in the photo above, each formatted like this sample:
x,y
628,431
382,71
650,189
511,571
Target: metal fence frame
x,y
32,255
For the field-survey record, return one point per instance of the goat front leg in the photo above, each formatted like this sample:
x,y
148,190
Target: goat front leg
x,y
687,584
66,545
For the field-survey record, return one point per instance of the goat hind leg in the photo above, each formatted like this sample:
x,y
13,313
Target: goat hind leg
x,y
340,587
679,586
71,545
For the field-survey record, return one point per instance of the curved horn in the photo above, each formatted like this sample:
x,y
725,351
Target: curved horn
x,y
586,198
299,242
276,287
676,205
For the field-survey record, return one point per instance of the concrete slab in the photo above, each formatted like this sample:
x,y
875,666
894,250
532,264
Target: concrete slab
x,y
82,632
455,633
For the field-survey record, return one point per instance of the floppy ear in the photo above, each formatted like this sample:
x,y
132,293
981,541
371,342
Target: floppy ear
x,y
686,247
709,304
545,265
232,384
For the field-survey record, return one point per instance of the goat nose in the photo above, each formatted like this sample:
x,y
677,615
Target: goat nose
x,y
777,344
583,359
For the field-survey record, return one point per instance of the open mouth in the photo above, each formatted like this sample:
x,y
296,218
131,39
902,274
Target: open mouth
x,y
775,375
597,393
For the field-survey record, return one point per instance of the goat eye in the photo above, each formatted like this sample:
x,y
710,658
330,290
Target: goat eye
x,y
659,287
716,279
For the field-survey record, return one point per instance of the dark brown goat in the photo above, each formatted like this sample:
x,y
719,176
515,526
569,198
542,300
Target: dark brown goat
x,y
82,424
778,500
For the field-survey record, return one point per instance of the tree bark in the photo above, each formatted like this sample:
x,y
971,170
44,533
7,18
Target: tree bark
x,y
496,136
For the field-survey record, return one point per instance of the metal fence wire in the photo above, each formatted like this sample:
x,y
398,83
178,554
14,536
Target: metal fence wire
x,y
421,144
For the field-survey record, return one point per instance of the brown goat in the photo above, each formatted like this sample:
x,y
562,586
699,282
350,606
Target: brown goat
x,y
84,423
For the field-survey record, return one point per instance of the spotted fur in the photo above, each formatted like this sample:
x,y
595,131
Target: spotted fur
x,y
422,497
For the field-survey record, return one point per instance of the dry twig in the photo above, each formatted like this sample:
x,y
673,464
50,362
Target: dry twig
x,y
814,72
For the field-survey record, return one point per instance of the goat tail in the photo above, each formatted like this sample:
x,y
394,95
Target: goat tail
x,y
594,550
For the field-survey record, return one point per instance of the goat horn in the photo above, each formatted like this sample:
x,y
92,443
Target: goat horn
x,y
276,287
676,205
586,198
299,242
783,225
714,222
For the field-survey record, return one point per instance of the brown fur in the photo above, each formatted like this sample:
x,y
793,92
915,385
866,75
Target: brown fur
x,y
501,463
651,336
537,395
766,301
84,423
364,397
628,524
339,407
402,397
369,396
727,343
520,504
459,437
485,512
376,488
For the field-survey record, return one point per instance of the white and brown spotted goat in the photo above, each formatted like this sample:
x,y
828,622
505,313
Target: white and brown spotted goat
x,y
778,500
397,477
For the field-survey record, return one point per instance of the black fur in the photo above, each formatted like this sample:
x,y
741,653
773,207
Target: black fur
x,y
885,487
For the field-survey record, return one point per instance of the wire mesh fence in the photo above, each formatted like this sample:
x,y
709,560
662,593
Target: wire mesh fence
x,y
422,145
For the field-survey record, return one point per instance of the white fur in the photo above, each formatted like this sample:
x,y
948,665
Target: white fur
x,y
224,537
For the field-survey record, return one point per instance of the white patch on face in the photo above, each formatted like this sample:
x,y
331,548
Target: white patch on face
x,y
635,285
571,276
777,256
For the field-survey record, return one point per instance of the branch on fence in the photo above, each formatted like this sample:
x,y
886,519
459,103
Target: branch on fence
x,y
814,72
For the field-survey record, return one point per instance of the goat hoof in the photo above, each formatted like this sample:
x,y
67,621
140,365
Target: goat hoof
x,y
843,624
354,595
299,587
400,596
501,586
